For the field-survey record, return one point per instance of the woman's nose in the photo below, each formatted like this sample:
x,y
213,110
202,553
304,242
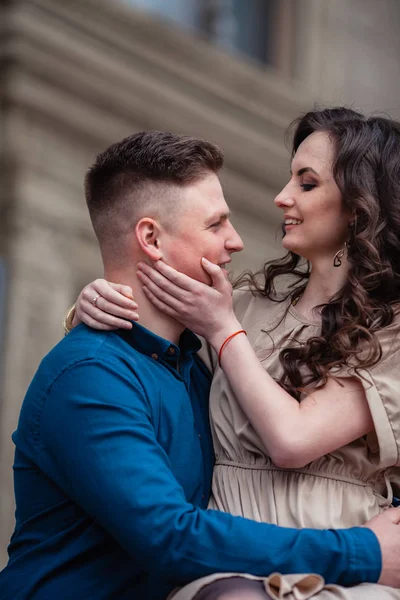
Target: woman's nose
x,y
284,199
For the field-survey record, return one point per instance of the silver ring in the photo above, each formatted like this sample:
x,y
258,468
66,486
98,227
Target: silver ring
x,y
94,301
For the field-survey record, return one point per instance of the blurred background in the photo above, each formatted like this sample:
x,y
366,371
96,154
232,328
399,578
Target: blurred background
x,y
78,75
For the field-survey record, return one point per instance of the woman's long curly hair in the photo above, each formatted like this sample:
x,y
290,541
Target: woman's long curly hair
x,y
366,169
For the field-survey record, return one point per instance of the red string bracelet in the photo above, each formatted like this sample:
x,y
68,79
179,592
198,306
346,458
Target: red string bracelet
x,y
228,339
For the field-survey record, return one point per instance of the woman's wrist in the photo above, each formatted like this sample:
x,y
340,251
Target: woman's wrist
x,y
226,342
217,338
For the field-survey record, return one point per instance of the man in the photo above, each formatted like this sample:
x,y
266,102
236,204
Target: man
x,y
114,458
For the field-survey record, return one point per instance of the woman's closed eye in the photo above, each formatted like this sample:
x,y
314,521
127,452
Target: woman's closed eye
x,y
307,187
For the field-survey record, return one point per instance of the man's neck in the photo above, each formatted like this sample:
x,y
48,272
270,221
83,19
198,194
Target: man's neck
x,y
149,316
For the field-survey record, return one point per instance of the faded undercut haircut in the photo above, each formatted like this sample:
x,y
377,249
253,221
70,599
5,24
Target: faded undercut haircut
x,y
140,176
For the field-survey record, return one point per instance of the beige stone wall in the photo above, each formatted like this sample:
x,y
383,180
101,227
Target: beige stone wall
x,y
347,52
81,74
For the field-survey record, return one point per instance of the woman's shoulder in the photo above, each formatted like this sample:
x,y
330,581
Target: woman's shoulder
x,y
245,299
381,383
256,311
389,336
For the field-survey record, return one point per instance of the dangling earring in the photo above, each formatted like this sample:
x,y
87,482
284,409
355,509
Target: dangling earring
x,y
337,259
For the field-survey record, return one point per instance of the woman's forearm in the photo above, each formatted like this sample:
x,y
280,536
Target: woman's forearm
x,y
293,433
274,414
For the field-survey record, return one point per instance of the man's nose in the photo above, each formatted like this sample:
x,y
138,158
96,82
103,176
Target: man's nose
x,y
234,242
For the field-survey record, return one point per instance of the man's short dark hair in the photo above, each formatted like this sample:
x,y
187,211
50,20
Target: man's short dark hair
x,y
138,170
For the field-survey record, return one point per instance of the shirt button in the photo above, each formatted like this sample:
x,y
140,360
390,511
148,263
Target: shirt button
x,y
202,497
171,351
154,355
199,436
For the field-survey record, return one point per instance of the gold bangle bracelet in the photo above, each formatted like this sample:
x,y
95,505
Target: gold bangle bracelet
x,y
68,318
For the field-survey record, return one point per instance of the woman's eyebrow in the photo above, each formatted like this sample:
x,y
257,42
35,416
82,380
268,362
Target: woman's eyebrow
x,y
306,170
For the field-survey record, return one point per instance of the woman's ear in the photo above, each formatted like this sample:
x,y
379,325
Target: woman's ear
x,y
148,232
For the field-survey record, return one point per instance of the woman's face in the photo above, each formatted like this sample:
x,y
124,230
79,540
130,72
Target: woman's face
x,y
315,220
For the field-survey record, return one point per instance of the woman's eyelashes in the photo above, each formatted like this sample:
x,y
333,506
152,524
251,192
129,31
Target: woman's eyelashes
x,y
307,187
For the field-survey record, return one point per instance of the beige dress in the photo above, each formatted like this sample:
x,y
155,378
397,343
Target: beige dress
x,y
342,489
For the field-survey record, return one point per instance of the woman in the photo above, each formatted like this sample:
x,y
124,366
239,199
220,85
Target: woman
x,y
304,406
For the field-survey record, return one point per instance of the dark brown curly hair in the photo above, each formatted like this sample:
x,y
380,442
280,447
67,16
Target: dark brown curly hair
x,y
366,169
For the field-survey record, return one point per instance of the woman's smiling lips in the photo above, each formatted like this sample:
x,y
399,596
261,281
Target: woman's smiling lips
x,y
291,222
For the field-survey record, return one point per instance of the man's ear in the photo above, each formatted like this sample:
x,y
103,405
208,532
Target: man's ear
x,y
148,233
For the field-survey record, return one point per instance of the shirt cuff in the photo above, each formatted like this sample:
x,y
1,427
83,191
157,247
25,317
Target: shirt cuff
x,y
365,557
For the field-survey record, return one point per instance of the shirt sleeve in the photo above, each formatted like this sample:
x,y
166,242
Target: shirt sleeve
x,y
382,388
98,443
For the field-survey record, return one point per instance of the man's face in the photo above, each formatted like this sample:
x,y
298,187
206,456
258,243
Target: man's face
x,y
202,228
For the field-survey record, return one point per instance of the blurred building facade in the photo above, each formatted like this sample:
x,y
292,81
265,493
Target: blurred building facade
x,y
77,76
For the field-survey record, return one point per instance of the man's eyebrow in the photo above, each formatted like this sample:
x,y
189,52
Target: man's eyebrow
x,y
217,216
305,170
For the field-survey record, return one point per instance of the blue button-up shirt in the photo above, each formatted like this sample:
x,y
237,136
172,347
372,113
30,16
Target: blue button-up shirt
x,y
112,474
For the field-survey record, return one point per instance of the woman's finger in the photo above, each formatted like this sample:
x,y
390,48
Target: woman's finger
x,y
160,294
87,312
170,274
114,309
95,324
147,274
125,290
110,321
219,281
165,308
107,290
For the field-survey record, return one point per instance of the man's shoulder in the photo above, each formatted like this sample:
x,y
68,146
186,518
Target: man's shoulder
x,y
85,345
84,364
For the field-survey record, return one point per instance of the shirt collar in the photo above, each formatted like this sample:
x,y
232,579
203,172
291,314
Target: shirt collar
x,y
149,343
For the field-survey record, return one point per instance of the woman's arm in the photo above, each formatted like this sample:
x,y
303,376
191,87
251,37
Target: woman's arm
x,y
292,433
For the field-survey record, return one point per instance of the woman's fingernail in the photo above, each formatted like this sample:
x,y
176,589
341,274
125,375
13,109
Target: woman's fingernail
x,y
205,261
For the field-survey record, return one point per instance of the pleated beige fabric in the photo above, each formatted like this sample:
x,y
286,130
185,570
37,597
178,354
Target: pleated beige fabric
x,y
342,489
